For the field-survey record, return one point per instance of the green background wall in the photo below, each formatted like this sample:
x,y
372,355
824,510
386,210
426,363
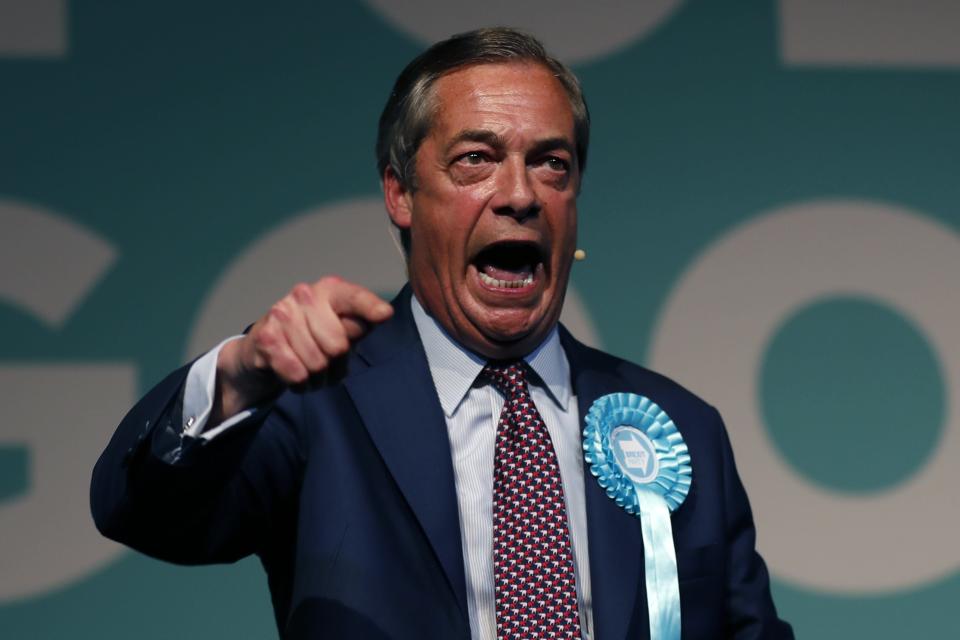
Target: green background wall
x,y
770,212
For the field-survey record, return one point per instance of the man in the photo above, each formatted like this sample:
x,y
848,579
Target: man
x,y
360,448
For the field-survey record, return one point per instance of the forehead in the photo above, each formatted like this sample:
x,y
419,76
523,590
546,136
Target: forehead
x,y
516,97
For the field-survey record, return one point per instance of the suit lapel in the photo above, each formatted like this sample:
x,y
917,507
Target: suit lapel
x,y
398,404
615,538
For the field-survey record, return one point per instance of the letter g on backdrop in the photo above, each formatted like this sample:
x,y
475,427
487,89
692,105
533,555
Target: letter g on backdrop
x,y
58,414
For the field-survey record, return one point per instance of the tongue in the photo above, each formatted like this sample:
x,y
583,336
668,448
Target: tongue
x,y
510,275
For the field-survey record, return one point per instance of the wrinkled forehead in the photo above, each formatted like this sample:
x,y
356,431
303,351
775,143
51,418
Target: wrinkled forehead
x,y
501,96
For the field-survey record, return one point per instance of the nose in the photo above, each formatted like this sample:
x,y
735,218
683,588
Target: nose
x,y
516,195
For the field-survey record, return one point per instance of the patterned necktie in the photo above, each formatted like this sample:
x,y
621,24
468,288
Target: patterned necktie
x,y
534,581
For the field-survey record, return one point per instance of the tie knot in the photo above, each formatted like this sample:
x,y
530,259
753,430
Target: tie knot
x,y
510,378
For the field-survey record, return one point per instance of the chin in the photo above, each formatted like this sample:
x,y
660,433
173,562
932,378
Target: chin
x,y
509,336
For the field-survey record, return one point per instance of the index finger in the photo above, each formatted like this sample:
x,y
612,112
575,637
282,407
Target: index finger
x,y
348,299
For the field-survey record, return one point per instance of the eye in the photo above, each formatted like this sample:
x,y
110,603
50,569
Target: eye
x,y
557,164
473,157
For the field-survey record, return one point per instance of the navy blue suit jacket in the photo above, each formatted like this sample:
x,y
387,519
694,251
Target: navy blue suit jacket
x,y
346,493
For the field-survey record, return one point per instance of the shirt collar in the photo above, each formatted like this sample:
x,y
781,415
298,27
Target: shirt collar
x,y
454,367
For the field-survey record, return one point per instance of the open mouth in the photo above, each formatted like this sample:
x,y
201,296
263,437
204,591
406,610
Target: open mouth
x,y
509,265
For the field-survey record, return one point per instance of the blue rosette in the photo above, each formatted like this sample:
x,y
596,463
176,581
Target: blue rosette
x,y
640,459
674,473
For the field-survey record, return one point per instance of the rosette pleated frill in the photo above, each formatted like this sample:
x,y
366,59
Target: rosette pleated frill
x,y
618,409
640,459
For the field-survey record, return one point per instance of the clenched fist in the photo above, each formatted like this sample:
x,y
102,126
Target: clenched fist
x,y
297,339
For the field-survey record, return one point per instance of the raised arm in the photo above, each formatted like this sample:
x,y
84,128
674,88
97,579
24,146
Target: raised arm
x,y
163,488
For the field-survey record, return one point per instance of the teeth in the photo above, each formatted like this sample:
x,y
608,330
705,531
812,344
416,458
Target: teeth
x,y
506,284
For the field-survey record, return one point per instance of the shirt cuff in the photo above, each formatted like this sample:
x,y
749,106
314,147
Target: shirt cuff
x,y
198,394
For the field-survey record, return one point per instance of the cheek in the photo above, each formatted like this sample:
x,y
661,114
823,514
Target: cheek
x,y
564,219
453,219
442,240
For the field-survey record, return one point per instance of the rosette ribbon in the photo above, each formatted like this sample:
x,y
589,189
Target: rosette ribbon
x,y
640,459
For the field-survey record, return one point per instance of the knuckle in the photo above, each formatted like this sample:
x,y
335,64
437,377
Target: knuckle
x,y
312,357
298,376
329,281
301,292
278,311
289,368
339,347
265,338
341,342
321,364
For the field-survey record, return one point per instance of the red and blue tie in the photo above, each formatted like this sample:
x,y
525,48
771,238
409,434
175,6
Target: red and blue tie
x,y
534,580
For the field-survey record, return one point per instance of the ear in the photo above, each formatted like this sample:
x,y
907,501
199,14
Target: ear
x,y
398,199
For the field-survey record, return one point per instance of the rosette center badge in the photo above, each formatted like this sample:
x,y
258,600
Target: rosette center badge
x,y
635,454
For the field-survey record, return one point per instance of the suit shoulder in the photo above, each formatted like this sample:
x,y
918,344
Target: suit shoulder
x,y
672,396
649,378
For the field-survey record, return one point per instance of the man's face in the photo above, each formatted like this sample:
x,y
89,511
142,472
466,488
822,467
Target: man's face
x,y
493,218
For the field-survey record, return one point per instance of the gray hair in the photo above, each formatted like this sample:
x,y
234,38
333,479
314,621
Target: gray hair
x,y
408,114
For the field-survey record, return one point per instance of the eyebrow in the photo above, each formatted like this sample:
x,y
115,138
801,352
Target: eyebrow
x,y
552,144
476,135
497,142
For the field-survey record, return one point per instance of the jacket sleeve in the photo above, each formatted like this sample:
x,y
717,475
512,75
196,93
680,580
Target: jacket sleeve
x,y
190,500
751,613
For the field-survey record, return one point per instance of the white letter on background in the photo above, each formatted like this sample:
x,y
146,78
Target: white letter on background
x,y
712,334
63,413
